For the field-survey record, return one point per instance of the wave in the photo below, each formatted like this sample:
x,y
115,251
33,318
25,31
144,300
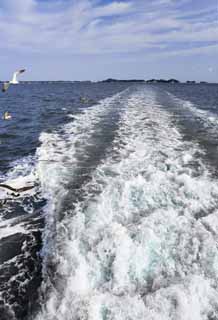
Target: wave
x,y
208,118
140,242
20,225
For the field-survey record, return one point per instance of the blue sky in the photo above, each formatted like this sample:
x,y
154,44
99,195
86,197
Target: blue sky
x,y
97,39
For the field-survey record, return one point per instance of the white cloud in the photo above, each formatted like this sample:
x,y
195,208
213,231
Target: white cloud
x,y
88,27
114,8
17,7
208,50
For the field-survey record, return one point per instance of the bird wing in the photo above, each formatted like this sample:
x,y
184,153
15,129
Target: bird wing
x,y
16,73
2,185
20,71
22,189
5,86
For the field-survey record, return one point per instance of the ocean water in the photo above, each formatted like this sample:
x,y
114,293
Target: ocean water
x,y
122,219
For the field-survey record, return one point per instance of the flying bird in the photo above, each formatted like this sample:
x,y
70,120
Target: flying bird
x,y
13,81
16,191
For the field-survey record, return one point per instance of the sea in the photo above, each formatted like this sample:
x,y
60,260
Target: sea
x,y
113,213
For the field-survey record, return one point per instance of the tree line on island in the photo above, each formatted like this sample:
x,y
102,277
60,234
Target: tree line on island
x,y
111,80
151,81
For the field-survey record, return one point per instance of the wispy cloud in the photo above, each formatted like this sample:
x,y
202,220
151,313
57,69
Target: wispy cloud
x,y
90,27
113,9
108,30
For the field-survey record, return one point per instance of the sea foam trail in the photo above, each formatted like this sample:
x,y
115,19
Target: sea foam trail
x,y
208,118
62,160
145,245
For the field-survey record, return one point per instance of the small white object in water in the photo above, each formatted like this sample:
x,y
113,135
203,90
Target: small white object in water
x,y
84,99
6,116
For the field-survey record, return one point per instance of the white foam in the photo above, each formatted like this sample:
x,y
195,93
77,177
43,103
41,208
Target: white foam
x,y
137,250
22,174
6,229
210,119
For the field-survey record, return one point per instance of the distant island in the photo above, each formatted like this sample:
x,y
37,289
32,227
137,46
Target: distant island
x,y
153,81
117,80
111,80
162,81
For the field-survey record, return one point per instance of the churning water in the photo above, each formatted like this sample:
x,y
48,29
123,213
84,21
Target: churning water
x,y
122,221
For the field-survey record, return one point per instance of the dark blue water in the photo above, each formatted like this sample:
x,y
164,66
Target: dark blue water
x,y
141,159
36,108
196,111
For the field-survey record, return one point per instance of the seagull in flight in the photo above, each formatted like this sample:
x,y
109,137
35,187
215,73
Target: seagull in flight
x,y
13,81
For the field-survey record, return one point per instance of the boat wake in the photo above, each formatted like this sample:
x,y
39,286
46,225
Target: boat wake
x,y
208,119
131,228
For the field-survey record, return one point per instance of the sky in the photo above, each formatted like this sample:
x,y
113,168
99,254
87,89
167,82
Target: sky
x,y
98,39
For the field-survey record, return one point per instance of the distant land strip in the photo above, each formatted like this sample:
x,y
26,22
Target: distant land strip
x,y
111,80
